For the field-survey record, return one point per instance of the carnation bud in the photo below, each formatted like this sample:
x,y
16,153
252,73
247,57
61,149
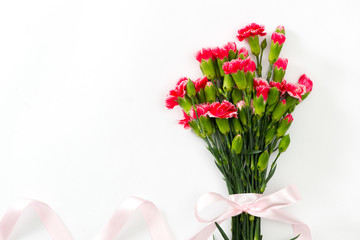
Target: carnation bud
x,y
284,143
280,29
279,69
273,95
237,128
254,44
263,44
263,161
279,111
223,125
228,84
237,144
270,134
249,81
284,125
201,95
242,115
277,41
210,92
206,124
190,89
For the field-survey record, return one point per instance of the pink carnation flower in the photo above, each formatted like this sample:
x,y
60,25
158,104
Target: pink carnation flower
x,y
223,52
200,83
281,63
305,81
278,38
249,65
260,82
262,90
205,54
201,110
179,91
185,121
243,51
222,110
251,30
295,90
280,86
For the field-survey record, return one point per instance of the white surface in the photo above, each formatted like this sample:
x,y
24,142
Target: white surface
x,y
83,123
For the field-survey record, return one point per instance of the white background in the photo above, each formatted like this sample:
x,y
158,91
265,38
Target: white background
x,y
83,123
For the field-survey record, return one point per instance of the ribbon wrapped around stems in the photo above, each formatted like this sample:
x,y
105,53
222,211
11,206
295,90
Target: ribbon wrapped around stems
x,y
259,205
264,206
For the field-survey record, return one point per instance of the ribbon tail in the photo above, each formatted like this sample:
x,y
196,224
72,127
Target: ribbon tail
x,y
284,217
48,217
155,221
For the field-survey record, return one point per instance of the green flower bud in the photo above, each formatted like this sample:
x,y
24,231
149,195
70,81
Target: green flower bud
x,y
242,115
210,92
254,44
259,105
284,125
277,41
190,89
206,125
228,84
263,161
237,144
237,128
284,143
273,96
236,96
270,134
279,111
263,44
223,125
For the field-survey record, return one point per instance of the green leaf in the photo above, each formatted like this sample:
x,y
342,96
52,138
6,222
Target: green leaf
x,y
222,231
252,151
295,237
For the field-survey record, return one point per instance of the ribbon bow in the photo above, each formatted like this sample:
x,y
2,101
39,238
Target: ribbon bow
x,y
259,205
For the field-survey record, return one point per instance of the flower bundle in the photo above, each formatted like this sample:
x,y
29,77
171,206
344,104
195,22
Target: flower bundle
x,y
242,114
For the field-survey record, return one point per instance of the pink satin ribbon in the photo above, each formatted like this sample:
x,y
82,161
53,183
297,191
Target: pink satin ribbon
x,y
264,206
259,205
57,230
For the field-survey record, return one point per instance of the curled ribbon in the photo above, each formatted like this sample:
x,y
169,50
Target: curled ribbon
x,y
264,206
259,205
57,230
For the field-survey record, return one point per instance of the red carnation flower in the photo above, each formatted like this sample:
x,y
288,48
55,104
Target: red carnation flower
x,y
205,54
251,30
201,110
278,38
179,91
305,81
281,63
220,53
185,121
295,90
243,51
222,110
260,82
280,86
249,65
200,83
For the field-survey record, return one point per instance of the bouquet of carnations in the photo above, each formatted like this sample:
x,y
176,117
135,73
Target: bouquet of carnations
x,y
242,113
